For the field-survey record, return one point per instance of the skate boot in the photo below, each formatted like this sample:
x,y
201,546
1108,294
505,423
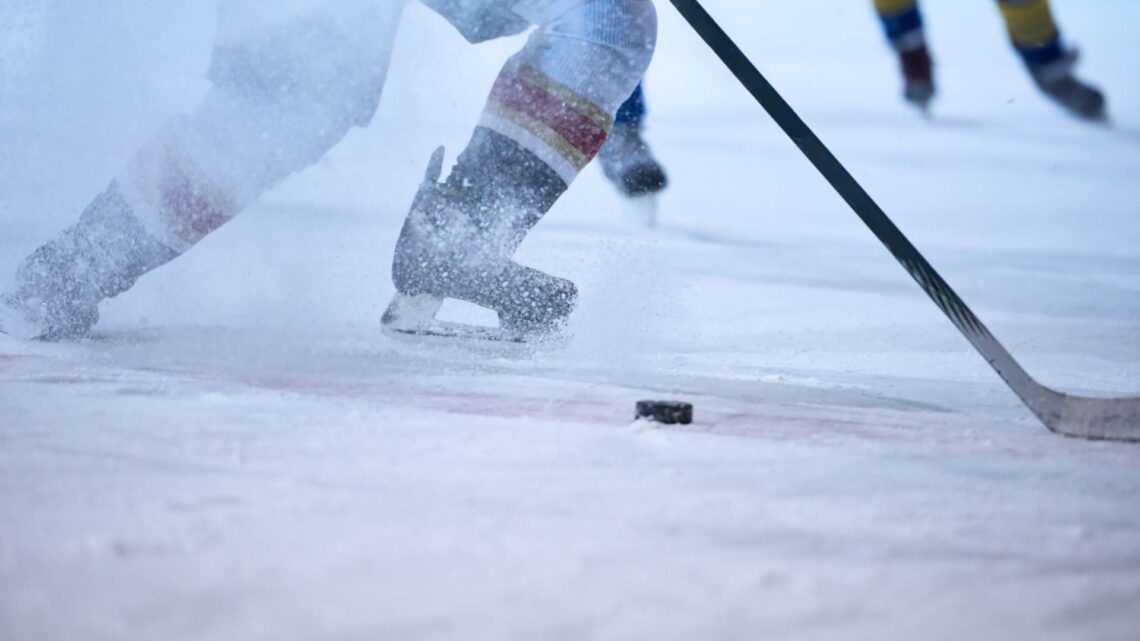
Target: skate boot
x,y
1057,81
918,76
59,287
629,164
458,239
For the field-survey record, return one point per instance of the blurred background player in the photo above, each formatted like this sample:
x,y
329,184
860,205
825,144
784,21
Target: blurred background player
x,y
631,167
626,159
1035,37
288,80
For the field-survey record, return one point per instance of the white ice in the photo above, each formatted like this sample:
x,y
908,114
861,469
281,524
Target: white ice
x,y
239,454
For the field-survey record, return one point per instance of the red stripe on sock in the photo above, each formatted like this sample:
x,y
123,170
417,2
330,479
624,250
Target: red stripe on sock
x,y
526,97
191,207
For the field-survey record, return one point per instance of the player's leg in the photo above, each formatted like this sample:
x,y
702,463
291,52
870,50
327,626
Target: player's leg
x,y
548,114
902,23
283,92
1037,39
625,158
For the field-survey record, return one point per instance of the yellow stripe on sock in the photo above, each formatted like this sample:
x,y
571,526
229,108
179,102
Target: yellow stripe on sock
x,y
542,132
578,102
888,8
1029,22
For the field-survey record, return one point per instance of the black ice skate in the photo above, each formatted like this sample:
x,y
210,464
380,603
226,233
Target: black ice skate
x,y
918,76
59,287
1057,81
629,164
458,239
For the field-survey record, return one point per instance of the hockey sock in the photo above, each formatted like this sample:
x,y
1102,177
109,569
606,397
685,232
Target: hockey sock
x,y
902,23
1033,31
632,111
554,122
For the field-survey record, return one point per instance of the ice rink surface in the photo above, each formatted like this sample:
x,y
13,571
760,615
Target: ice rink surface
x,y
239,454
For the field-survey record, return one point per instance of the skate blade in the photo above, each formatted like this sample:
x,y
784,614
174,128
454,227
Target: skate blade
x,y
461,332
410,312
642,210
412,318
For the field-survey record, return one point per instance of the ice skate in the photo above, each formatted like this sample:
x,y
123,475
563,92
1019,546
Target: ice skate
x,y
59,287
1057,81
918,77
457,243
629,164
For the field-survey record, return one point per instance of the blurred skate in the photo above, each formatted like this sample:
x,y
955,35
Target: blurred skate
x,y
1057,81
642,210
918,77
629,164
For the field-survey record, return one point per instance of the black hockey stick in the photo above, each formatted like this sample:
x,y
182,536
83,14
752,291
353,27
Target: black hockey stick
x,y
1116,419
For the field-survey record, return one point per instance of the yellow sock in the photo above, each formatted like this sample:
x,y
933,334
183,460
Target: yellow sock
x,y
892,7
1029,22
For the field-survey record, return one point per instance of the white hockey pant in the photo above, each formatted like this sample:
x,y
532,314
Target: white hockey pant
x,y
286,90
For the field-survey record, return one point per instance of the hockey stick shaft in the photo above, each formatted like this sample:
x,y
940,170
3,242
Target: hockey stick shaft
x,y
1051,407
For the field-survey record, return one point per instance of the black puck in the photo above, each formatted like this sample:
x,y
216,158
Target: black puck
x,y
667,412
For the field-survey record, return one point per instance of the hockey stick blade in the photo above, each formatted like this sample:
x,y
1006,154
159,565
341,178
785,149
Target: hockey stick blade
x,y
1102,419
1106,419
1116,419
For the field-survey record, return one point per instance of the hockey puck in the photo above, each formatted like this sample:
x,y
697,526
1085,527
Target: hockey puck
x,y
667,412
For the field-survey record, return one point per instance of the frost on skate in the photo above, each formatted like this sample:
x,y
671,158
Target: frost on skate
x,y
459,237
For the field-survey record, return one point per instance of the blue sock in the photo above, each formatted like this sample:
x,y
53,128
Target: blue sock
x,y
632,111
903,29
1042,55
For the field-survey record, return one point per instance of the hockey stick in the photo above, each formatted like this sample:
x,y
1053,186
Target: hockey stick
x,y
1116,419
